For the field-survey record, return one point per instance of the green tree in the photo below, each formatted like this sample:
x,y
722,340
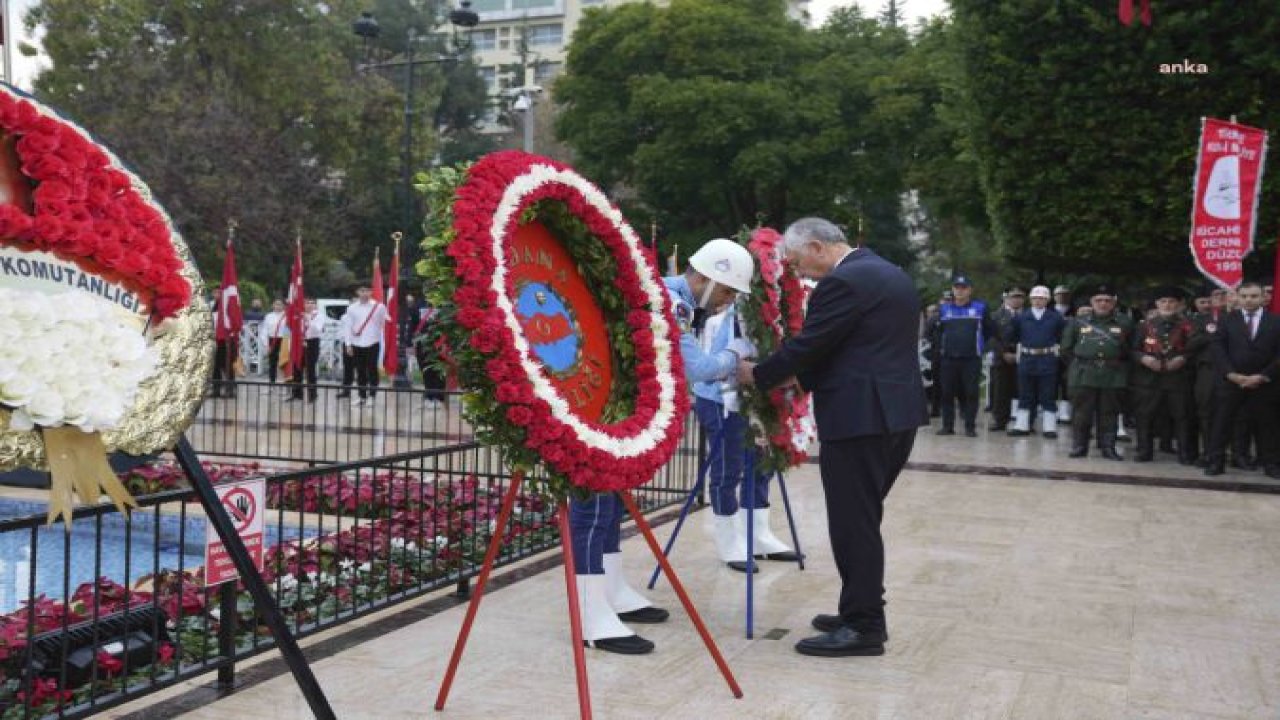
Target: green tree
x,y
248,110
1085,150
719,115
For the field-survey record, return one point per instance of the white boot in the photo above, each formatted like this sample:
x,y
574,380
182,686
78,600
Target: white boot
x,y
1013,407
766,543
730,544
1121,434
622,597
1064,411
599,621
1049,424
1021,423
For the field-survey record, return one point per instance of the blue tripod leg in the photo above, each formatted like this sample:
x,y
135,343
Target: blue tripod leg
x,y
703,468
791,520
750,477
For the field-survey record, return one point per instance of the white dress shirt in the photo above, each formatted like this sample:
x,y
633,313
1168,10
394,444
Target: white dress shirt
x,y
364,323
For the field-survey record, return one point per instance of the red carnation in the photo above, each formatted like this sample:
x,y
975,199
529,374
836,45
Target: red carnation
x,y
520,415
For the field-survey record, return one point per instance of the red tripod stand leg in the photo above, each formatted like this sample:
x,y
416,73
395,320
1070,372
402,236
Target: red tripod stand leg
x,y
575,613
504,514
679,588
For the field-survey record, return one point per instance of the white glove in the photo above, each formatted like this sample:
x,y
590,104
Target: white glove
x,y
742,347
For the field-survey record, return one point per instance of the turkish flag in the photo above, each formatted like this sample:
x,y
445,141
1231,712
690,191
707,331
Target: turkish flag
x,y
229,319
391,331
295,314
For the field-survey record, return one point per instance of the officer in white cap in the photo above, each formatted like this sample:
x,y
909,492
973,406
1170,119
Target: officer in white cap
x,y
1035,333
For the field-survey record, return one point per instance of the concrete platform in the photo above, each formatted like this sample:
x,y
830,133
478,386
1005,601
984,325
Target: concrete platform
x,y
1009,597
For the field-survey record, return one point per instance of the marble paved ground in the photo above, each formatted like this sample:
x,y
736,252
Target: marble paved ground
x,y
1008,598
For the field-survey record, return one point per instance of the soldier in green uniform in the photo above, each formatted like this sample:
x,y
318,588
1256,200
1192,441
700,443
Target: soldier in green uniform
x,y
1096,346
1161,382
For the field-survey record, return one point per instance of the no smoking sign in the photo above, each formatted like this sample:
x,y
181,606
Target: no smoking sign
x,y
244,502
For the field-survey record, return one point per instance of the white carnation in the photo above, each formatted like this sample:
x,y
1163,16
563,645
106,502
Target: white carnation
x,y
69,359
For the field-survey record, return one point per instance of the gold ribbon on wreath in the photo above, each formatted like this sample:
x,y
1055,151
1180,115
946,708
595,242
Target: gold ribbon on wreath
x,y
78,461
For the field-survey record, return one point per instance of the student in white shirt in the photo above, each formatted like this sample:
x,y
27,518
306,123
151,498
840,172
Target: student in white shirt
x,y
313,322
364,322
273,330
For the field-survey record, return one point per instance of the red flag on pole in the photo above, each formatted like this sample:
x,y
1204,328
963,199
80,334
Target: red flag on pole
x,y
1226,192
295,313
379,297
391,332
230,319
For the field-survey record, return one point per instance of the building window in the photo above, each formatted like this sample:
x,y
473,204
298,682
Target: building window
x,y
504,44
543,72
490,77
531,4
483,6
546,34
484,39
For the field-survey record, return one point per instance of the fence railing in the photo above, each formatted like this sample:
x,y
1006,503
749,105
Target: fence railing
x,y
323,423
113,610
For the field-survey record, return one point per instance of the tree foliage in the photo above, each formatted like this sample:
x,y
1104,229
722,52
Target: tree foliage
x,y
719,115
253,110
1086,150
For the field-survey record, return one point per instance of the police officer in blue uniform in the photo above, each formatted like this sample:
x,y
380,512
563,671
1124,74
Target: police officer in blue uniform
x,y
718,271
963,330
1034,335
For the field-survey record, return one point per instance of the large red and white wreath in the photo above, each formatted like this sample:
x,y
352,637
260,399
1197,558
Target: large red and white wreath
x,y
513,397
780,419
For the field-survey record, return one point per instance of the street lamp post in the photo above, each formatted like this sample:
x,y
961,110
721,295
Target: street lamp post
x,y
366,26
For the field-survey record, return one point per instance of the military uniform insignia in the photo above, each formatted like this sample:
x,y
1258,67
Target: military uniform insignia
x,y
1211,327
684,317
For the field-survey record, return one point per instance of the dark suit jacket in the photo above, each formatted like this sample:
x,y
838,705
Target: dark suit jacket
x,y
1235,352
858,351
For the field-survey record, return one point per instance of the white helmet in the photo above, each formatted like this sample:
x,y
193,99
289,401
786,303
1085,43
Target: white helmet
x,y
725,262
1040,291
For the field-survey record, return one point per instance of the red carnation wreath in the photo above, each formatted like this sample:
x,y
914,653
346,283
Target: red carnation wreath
x,y
85,210
562,329
773,312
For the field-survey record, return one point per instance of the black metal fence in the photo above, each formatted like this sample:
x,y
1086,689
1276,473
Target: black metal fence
x,y
112,610
324,423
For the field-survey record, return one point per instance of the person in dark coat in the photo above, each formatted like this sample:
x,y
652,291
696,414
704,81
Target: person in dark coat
x,y
1034,335
1004,359
857,353
1248,368
964,329
1163,349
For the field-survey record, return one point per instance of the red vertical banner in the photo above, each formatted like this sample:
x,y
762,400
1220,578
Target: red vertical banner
x,y
1224,214
295,311
390,332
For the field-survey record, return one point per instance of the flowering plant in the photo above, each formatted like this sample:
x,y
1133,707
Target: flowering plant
x,y
512,398
44,366
85,208
773,312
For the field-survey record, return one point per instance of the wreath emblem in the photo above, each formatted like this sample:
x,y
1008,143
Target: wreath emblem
x,y
561,329
780,421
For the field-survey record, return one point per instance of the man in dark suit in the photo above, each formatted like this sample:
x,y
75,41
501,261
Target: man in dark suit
x,y
1247,354
857,354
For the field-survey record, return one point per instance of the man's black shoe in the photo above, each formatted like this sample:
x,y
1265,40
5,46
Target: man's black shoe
x,y
831,623
647,615
1214,469
629,645
1018,433
843,642
1110,454
1051,434
1202,462
970,432
741,566
1143,457
1078,452
997,427
946,431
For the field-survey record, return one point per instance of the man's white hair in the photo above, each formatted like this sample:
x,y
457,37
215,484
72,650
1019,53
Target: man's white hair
x,y
812,228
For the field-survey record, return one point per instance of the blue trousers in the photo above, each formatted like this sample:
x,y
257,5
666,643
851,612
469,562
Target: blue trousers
x,y
595,529
1038,389
725,458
